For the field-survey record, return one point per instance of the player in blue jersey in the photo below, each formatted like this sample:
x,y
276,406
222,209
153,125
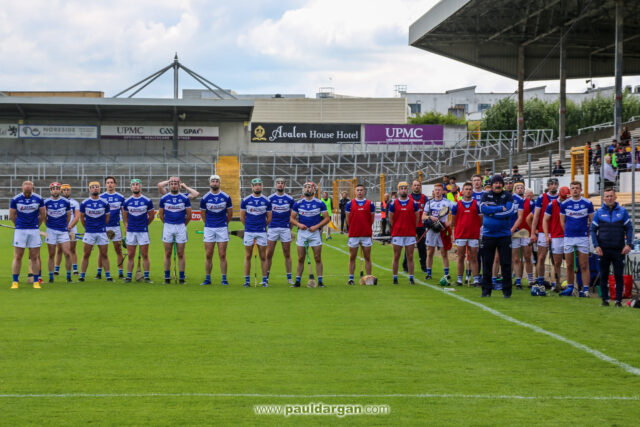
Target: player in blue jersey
x,y
73,231
309,214
114,233
137,214
58,216
478,191
255,215
163,188
27,212
576,214
216,210
537,233
280,226
175,212
94,214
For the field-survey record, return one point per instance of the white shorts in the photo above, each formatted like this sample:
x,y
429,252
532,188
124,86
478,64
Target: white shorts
x,y
355,242
259,237
519,242
557,245
137,238
472,243
117,236
216,235
433,239
311,238
174,233
56,236
579,243
542,241
282,234
403,240
27,238
95,239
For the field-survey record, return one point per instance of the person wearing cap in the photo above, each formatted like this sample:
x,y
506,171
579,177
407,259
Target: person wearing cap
x,y
329,204
94,214
515,175
58,216
404,212
218,212
497,209
137,214
114,233
576,215
73,231
280,227
554,233
27,212
309,214
537,232
612,237
163,188
255,215
174,210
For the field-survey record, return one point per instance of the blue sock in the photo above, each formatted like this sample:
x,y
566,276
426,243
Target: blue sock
x,y
530,277
120,272
146,274
494,280
50,276
459,278
265,279
395,277
540,280
129,275
247,279
446,271
351,277
36,277
82,275
167,274
207,278
268,273
75,268
107,274
467,273
477,278
288,276
319,280
428,272
518,281
297,279
57,269
224,278
411,277
68,275
15,277
181,275
99,271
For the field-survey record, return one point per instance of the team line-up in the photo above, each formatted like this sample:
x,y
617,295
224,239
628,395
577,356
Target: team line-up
x,y
491,228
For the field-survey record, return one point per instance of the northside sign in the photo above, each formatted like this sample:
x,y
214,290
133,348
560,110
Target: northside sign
x,y
404,134
185,133
322,133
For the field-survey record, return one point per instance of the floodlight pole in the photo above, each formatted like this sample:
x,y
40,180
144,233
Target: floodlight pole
x,y
617,112
176,68
563,94
520,97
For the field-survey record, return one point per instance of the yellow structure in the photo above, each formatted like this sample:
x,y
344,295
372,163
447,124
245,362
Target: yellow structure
x,y
228,167
580,166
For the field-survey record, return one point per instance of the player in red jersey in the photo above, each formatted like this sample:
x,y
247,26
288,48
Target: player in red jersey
x,y
467,220
403,216
360,214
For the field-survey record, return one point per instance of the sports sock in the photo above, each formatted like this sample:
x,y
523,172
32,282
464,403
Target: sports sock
x,y
319,280
224,277
530,277
167,274
351,277
207,278
56,269
540,280
494,280
181,275
411,277
120,271
395,277
265,279
146,274
99,271
518,281
15,277
247,279
68,275
35,278
268,273
446,271
428,272
129,275
288,276
298,279
107,274
75,268
50,275
468,273
459,278
476,279
82,275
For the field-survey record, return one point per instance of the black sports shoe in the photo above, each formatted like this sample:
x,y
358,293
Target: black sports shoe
x,y
605,303
75,273
181,281
411,282
459,283
321,285
56,273
167,281
81,279
147,280
395,281
121,276
427,277
618,304
109,279
350,282
296,285
98,276
127,280
50,281
70,281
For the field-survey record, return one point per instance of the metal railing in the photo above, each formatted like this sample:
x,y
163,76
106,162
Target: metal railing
x,y
604,125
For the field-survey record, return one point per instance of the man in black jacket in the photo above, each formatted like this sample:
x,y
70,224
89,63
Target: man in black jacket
x,y
342,204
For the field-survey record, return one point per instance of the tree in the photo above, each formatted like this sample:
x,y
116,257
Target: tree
x,y
435,118
501,116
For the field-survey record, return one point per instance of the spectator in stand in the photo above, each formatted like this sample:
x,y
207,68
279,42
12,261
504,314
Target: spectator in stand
x,y
384,213
625,137
445,182
596,160
515,175
621,159
487,176
587,147
610,174
558,170
611,148
452,187
342,204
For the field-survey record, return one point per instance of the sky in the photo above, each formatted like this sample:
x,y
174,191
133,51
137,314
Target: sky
x,y
358,47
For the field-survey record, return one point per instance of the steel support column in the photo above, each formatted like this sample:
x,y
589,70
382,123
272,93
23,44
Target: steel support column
x,y
563,95
617,111
520,97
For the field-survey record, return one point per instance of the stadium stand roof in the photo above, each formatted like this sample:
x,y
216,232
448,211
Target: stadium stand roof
x,y
488,34
150,109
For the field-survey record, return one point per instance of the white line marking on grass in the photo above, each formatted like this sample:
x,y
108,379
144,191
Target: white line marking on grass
x,y
593,352
318,396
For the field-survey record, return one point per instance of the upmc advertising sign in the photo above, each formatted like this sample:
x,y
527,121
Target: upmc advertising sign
x,y
404,134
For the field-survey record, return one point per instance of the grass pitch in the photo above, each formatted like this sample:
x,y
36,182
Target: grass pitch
x,y
168,354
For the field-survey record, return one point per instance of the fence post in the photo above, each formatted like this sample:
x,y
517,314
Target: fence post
x,y
529,167
550,162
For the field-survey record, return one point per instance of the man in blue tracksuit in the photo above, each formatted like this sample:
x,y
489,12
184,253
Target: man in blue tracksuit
x,y
498,208
612,236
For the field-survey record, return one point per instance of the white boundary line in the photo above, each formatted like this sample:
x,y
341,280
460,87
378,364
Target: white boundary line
x,y
598,354
318,396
